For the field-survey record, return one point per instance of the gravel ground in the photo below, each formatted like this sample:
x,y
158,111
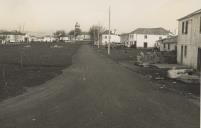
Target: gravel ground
x,y
127,58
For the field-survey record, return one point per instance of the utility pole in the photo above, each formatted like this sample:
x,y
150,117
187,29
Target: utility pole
x,y
94,37
99,36
109,34
74,33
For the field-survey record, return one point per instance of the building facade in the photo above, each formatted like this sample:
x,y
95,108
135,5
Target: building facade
x,y
189,40
147,37
167,44
114,38
83,36
12,36
49,39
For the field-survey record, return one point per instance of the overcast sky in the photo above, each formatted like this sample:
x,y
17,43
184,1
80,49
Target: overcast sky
x,y
51,15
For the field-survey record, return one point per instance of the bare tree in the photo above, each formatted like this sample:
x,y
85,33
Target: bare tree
x,y
95,32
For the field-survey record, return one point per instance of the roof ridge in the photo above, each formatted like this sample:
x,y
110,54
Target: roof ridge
x,y
150,31
191,14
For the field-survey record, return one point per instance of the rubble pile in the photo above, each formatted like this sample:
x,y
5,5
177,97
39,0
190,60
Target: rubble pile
x,y
147,58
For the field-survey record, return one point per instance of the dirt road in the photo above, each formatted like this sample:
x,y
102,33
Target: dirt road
x,y
95,92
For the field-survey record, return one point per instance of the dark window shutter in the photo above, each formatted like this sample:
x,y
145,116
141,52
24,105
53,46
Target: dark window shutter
x,y
182,27
186,27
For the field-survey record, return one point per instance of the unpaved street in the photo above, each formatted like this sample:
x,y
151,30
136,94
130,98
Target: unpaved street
x,y
95,92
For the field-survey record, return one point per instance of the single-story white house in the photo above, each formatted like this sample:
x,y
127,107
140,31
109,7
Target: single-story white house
x,y
167,44
114,38
64,38
49,39
83,36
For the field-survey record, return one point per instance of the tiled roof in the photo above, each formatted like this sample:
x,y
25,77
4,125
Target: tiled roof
x,y
151,31
190,15
172,39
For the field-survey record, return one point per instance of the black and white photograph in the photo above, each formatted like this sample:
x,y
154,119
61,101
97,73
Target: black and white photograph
x,y
100,63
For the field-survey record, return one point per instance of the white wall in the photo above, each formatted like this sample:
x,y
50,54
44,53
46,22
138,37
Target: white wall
x,y
15,38
48,39
192,40
140,39
64,38
172,47
83,37
105,39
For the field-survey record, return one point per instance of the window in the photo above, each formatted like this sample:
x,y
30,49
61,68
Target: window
x,y
105,37
185,27
135,44
164,46
185,51
145,36
145,44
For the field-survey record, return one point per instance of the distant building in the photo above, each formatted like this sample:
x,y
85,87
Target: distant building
x,y
12,36
124,39
35,38
2,41
167,44
114,38
147,37
83,36
65,38
189,40
49,39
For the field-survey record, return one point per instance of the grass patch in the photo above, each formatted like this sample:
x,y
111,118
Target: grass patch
x,y
28,65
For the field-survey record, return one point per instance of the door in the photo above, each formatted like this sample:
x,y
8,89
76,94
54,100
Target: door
x,y
135,44
199,59
145,44
182,51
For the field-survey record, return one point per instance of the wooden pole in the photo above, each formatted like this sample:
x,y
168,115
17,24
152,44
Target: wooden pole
x,y
99,36
94,37
109,33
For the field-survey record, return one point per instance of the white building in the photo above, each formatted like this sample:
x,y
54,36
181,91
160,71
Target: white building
x,y
114,38
35,38
189,40
12,36
167,44
64,38
49,39
147,37
83,36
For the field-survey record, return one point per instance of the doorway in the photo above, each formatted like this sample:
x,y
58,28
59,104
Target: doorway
x,y
199,59
145,44
135,44
182,51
